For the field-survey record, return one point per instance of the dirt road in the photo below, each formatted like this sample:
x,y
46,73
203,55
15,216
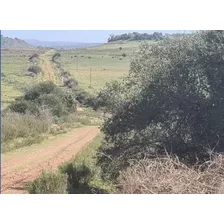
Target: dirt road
x,y
18,168
46,66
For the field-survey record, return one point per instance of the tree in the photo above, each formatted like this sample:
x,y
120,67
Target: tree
x,y
55,57
172,101
34,58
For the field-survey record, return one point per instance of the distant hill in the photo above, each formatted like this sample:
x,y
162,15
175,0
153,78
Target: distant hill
x,y
16,43
60,44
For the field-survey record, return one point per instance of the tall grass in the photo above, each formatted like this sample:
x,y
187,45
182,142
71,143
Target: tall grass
x,y
49,183
15,125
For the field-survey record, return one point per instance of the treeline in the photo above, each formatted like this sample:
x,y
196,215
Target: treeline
x,y
137,36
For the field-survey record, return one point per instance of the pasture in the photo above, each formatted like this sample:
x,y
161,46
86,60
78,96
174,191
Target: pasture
x,y
94,66
14,73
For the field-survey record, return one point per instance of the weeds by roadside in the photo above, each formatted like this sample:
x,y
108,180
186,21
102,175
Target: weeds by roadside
x,y
83,175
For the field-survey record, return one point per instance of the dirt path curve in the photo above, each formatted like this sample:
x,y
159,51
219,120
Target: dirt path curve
x,y
46,65
21,167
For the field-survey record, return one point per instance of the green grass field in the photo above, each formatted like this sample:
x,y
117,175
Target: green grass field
x,y
14,69
100,64
90,66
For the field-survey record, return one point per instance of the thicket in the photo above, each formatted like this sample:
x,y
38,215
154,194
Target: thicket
x,y
171,102
45,94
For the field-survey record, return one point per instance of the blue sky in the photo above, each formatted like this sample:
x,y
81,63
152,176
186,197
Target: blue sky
x,y
85,36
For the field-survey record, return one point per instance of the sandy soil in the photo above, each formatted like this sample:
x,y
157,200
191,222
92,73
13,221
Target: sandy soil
x,y
21,167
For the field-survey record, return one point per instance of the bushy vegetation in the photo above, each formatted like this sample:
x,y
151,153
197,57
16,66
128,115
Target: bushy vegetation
x,y
136,36
83,175
27,126
171,102
34,58
55,57
49,183
45,94
35,69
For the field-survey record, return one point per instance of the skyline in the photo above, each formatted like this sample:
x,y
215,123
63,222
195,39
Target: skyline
x,y
84,36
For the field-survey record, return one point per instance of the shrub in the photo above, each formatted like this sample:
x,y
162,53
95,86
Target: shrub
x,y
49,183
172,100
35,69
55,57
70,83
79,177
124,55
23,106
54,103
45,94
34,58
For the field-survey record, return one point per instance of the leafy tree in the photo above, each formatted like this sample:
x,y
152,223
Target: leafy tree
x,y
55,57
171,101
34,58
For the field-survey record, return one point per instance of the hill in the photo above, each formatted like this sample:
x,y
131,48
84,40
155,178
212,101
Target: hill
x,y
16,43
60,44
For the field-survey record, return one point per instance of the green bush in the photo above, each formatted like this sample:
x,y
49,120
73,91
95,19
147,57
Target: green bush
x,y
45,94
23,106
171,102
54,103
49,183
79,177
35,69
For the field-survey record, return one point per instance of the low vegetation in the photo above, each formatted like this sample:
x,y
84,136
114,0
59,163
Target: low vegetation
x,y
24,129
163,132
170,176
83,175
49,183
43,110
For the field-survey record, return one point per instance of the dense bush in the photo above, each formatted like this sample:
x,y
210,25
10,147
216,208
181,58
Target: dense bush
x,y
34,58
45,94
49,183
55,57
79,177
35,69
70,83
84,97
172,101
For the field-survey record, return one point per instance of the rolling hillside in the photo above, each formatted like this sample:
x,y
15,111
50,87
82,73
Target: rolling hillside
x,y
60,44
16,43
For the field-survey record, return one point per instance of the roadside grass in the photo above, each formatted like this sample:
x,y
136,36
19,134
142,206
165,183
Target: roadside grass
x,y
20,130
83,174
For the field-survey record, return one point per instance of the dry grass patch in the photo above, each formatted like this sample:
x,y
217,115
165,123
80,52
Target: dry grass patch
x,y
170,176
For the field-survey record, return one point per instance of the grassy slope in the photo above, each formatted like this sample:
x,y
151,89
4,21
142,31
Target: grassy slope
x,y
104,64
14,68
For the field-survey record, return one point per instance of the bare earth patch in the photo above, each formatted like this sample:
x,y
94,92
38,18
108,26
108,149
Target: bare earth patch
x,y
19,168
